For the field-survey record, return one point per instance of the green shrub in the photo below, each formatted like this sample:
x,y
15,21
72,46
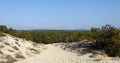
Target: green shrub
x,y
107,38
1,34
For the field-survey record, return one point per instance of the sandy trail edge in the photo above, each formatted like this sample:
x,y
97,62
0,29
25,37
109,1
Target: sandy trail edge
x,y
56,55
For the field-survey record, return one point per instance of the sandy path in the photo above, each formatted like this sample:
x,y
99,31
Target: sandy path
x,y
56,55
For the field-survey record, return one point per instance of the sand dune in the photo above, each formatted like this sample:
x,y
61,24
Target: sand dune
x,y
16,50
57,55
13,49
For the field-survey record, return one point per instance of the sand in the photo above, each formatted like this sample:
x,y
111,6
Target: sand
x,y
57,55
13,49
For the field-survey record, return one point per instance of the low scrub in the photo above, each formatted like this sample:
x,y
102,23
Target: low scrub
x,y
107,38
1,34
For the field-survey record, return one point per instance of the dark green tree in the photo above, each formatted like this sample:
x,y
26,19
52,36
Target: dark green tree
x,y
3,28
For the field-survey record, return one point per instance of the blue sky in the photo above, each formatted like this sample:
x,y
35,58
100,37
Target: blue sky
x,y
59,14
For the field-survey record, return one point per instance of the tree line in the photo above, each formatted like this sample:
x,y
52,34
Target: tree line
x,y
48,36
54,36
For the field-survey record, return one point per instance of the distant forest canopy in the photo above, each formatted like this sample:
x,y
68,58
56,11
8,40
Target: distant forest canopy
x,y
105,38
49,36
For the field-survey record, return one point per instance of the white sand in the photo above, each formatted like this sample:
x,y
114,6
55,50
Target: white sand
x,y
13,48
56,55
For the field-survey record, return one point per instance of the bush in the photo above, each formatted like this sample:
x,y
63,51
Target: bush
x,y
1,34
107,38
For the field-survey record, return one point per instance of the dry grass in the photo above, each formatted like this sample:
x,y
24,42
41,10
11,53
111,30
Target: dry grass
x,y
2,34
17,43
117,58
14,47
100,58
11,50
10,59
19,55
44,47
7,44
1,52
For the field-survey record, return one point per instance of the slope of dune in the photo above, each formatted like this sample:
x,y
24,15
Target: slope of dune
x,y
54,54
13,49
16,50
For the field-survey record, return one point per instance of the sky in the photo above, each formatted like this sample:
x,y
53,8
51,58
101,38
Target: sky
x,y
59,14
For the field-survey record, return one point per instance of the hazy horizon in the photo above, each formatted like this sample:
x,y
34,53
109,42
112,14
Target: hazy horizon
x,y
59,14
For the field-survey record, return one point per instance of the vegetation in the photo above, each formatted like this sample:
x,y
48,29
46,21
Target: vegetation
x,y
22,34
1,34
49,36
53,36
107,38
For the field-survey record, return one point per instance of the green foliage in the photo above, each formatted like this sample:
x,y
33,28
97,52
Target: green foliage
x,y
25,34
49,36
11,31
22,34
3,28
1,34
54,36
107,38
